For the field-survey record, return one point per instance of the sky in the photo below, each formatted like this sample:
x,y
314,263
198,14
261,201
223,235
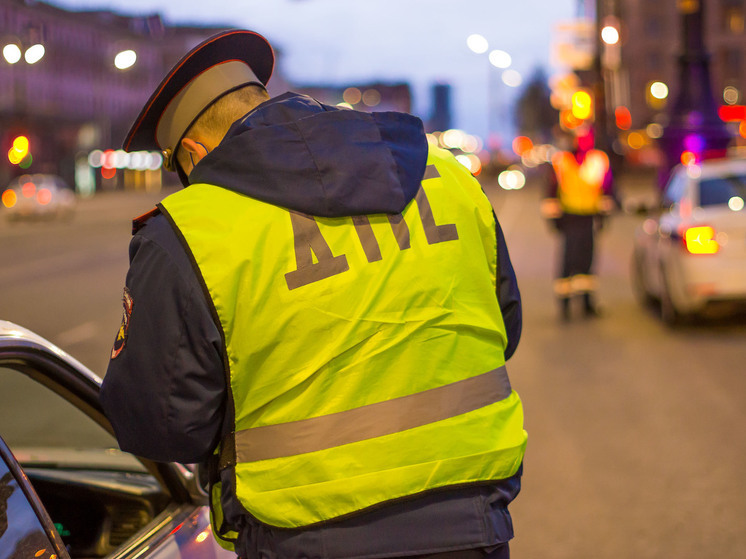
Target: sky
x,y
422,42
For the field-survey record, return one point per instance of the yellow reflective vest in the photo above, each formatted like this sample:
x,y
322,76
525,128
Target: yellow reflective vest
x,y
580,185
365,353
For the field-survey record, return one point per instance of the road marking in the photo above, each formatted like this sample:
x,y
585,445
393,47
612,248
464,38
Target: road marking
x,y
79,334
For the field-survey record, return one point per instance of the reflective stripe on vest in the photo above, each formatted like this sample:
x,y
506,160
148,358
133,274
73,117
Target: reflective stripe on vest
x,y
580,185
365,353
374,420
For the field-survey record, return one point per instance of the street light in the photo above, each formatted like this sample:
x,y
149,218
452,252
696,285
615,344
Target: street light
x,y
500,59
125,59
12,53
477,43
610,35
512,78
34,53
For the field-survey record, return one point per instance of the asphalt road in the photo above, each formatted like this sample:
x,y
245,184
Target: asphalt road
x,y
637,446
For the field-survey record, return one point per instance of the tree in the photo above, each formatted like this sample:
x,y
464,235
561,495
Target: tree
x,y
534,115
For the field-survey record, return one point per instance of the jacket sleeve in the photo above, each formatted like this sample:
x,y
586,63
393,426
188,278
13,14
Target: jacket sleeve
x,y
508,294
164,392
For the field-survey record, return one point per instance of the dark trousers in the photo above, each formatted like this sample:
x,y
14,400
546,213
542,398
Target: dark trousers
x,y
577,254
502,552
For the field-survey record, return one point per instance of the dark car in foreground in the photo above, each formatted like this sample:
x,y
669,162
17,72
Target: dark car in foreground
x,y
66,490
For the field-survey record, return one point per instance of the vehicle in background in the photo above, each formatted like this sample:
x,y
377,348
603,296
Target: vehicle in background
x,y
691,254
38,196
66,490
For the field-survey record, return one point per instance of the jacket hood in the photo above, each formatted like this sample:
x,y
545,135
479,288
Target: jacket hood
x,y
295,152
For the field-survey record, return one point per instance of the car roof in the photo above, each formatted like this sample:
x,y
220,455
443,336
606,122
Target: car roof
x,y
39,179
719,167
14,335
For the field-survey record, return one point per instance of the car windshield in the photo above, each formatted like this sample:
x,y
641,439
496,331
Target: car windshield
x,y
721,190
41,427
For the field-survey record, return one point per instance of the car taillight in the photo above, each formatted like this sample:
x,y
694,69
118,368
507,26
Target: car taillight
x,y
9,198
44,196
700,240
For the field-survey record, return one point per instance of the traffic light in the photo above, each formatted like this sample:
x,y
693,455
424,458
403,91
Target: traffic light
x,y
20,152
582,105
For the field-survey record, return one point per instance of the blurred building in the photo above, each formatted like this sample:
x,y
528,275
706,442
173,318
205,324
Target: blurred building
x,y
375,96
72,83
83,87
641,68
440,117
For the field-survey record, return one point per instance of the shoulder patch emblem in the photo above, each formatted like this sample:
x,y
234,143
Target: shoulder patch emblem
x,y
140,222
127,303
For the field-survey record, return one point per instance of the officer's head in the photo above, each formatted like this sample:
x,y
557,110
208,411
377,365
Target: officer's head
x,y
191,110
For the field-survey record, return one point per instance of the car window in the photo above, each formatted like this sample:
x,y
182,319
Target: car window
x,y
720,190
32,415
675,189
97,496
21,532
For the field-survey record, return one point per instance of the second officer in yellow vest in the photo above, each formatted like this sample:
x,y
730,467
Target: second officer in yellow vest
x,y
324,314
578,200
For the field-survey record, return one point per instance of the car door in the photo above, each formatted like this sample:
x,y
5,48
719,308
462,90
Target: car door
x,y
25,528
668,222
87,496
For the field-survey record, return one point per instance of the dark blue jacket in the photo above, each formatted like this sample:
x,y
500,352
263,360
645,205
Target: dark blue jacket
x,y
165,391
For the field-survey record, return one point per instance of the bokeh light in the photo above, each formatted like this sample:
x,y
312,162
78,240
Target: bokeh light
x,y
623,117
659,90
569,121
452,139
701,240
12,53
522,145
28,189
688,158
512,78
371,97
136,161
44,196
736,203
511,179
19,151
471,162
731,95
477,43
654,130
610,35
352,95
635,140
500,59
10,198
582,104
125,59
34,54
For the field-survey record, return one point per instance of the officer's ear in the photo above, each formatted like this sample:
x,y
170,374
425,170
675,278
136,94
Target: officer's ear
x,y
195,150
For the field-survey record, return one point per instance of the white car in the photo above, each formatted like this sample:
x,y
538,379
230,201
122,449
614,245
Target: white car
x,y
691,256
38,196
66,490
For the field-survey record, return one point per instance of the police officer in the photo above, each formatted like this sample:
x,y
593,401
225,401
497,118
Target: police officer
x,y
323,315
579,198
